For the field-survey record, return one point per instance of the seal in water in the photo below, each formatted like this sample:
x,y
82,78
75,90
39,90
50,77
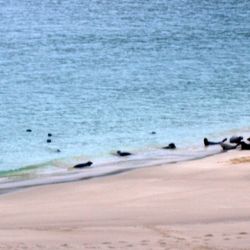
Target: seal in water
x,y
49,134
123,153
209,143
28,130
48,140
244,146
226,146
170,146
153,133
83,165
236,139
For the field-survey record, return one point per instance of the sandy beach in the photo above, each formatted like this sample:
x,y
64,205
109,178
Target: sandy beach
x,y
200,204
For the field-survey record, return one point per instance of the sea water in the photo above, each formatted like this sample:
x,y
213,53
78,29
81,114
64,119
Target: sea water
x,y
102,75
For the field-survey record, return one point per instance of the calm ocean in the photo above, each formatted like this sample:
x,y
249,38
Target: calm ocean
x,y
102,75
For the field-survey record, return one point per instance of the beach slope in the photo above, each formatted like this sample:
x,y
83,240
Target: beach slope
x,y
201,204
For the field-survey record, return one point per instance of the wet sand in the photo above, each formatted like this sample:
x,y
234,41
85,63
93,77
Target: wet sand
x,y
200,204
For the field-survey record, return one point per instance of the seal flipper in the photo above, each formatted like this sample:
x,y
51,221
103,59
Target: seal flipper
x,y
224,140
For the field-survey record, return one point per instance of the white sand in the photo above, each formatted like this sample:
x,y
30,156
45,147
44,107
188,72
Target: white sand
x,y
202,204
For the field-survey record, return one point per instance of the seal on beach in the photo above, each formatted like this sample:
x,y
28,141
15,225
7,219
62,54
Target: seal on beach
x,y
244,146
236,139
49,141
227,146
83,165
28,130
209,143
170,146
123,153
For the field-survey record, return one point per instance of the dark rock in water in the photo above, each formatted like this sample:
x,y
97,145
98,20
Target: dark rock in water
x,y
210,143
153,133
49,141
28,130
236,139
83,165
227,146
123,153
49,134
244,146
170,146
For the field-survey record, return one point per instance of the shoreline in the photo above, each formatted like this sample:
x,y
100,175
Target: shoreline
x,y
60,162
200,204
108,168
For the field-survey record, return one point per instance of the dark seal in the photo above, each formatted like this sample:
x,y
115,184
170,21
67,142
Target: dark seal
x,y
210,143
28,130
49,141
170,146
120,153
49,134
236,139
83,165
245,146
227,146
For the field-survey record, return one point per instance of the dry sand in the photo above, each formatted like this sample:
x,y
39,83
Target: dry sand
x,y
202,204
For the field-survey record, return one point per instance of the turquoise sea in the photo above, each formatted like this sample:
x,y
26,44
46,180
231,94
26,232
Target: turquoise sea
x,y
102,75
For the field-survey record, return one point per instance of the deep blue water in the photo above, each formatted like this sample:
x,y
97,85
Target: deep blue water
x,y
101,75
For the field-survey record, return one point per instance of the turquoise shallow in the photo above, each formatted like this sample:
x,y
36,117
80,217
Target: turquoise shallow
x,y
102,75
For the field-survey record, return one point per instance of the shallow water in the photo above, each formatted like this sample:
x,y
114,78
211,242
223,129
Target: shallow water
x,y
48,174
101,75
